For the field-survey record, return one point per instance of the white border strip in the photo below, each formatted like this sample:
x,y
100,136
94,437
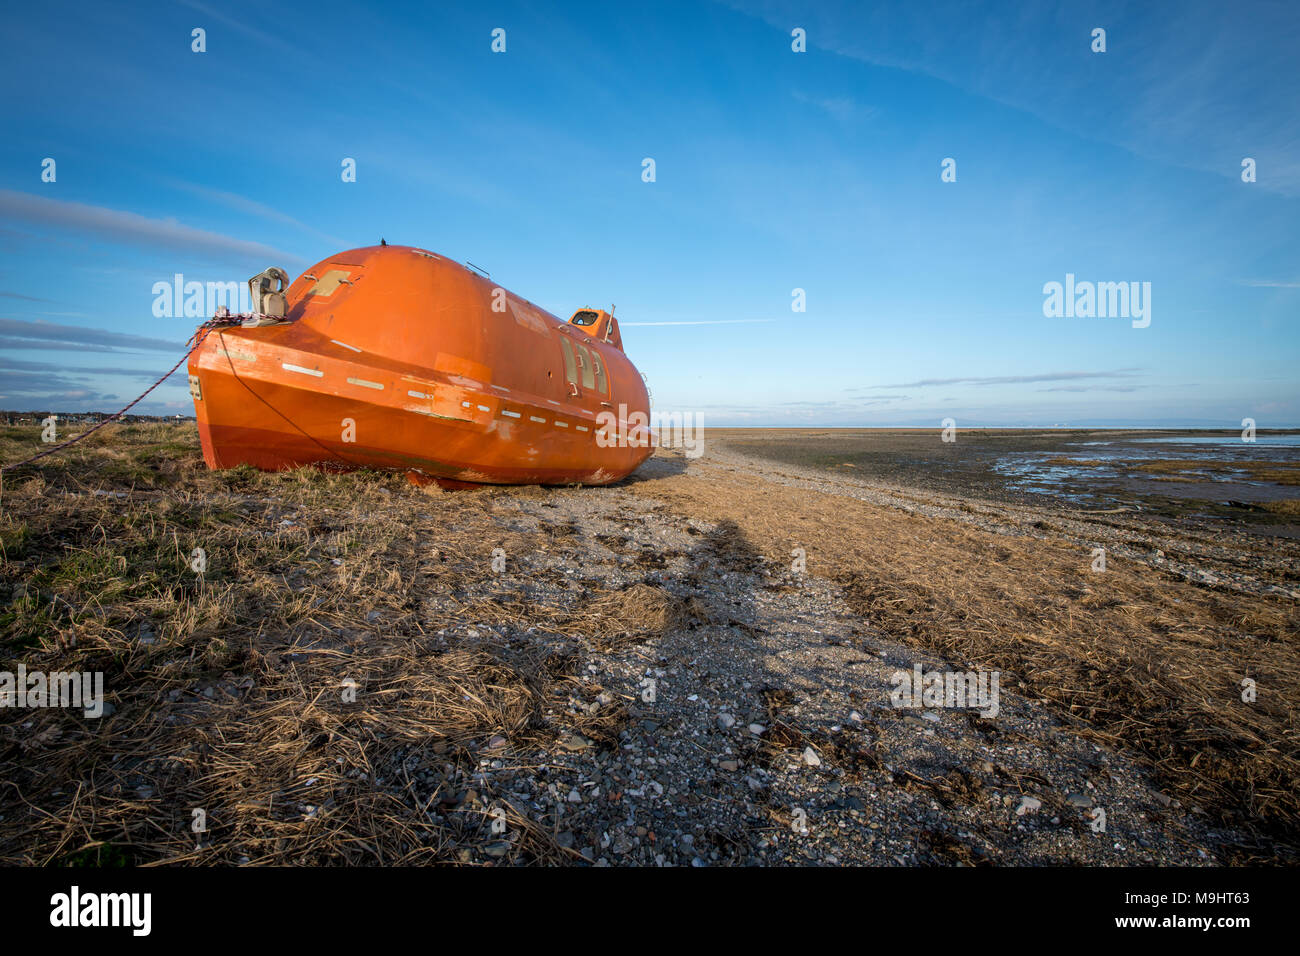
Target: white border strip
x,y
305,371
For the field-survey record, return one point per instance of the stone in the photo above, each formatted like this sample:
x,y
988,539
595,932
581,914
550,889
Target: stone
x,y
810,757
1028,805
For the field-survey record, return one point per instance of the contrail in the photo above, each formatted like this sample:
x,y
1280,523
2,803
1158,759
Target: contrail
x,y
703,322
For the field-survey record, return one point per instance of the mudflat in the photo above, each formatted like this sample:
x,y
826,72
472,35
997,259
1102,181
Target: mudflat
x,y
703,664
1251,481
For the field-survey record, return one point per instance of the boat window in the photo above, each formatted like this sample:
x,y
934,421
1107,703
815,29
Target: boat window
x,y
586,317
598,367
570,369
584,363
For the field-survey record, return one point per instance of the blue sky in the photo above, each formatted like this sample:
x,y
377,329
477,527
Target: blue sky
x,y
775,170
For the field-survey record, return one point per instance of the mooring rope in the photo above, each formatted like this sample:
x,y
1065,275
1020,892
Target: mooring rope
x,y
197,338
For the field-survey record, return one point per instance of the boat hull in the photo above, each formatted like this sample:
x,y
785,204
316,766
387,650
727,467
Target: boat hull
x,y
412,368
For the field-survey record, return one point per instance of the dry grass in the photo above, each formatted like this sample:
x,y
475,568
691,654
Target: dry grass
x,y
1066,462
234,702
1133,658
231,689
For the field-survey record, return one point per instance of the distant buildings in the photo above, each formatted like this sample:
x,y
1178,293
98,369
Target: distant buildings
x,y
81,418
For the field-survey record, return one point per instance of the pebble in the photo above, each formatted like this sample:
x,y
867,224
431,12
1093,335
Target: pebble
x,y
757,729
810,757
726,721
1028,805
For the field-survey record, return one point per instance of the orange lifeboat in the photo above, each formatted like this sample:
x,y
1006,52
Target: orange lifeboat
x,y
393,357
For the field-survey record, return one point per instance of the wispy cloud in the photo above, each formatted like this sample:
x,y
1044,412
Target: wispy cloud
x,y
1180,102
25,298
121,226
241,24
78,371
702,322
253,207
843,108
11,344
1092,388
1006,379
1269,284
835,404
36,400
33,385
52,335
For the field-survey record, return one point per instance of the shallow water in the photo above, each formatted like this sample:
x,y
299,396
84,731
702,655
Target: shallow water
x,y
1118,476
1280,441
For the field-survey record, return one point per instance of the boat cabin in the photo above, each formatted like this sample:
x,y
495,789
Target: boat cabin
x,y
600,325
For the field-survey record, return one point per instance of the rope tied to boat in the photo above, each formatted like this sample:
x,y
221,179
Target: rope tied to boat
x,y
222,319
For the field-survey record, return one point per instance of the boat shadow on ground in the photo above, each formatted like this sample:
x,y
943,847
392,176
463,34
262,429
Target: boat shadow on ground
x,y
659,465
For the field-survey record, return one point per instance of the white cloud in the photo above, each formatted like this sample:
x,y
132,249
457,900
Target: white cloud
x,y
120,226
